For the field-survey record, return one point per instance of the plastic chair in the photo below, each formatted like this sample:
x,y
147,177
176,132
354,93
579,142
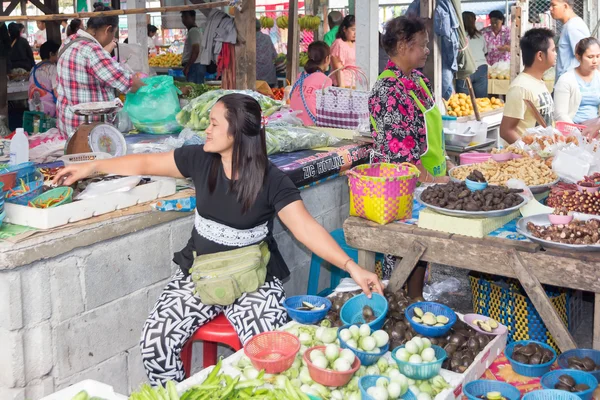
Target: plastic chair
x,y
219,330
336,274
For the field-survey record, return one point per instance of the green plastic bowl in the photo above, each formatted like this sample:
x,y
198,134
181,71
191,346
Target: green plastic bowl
x,y
65,191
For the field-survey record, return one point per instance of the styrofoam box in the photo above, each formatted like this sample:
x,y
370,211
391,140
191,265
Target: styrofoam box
x,y
57,216
93,388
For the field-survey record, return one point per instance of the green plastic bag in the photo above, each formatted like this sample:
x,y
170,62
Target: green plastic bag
x,y
153,108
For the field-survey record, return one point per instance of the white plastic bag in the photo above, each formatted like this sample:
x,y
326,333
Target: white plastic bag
x,y
107,187
572,163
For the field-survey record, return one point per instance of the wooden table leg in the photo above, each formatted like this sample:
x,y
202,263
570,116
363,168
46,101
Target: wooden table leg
x,y
403,268
596,333
542,304
366,259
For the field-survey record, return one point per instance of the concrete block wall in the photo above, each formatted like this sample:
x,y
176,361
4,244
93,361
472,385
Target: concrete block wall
x,y
79,316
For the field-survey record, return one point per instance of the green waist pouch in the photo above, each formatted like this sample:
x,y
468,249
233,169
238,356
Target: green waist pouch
x,y
222,278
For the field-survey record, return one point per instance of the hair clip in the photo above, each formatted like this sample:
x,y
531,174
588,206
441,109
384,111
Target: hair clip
x,y
264,120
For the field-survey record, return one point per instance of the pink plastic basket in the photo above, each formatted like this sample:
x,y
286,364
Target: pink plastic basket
x,y
272,351
474,158
567,128
382,192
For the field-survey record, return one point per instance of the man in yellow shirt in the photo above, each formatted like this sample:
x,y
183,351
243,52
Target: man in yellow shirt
x,y
539,55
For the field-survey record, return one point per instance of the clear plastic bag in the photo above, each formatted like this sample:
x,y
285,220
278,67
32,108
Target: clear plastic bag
x,y
107,187
286,139
436,290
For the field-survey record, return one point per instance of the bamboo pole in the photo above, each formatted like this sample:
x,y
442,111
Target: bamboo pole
x,y
56,17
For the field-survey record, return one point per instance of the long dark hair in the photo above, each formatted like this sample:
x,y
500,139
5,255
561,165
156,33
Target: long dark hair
x,y
469,20
74,26
14,30
317,53
348,22
249,159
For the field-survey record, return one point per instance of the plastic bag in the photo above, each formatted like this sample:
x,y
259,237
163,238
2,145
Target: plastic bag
x,y
107,187
154,107
435,291
286,139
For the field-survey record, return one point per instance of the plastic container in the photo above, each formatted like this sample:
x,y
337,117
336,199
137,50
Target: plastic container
x,y
531,371
272,351
8,180
580,353
481,387
550,395
365,358
327,377
502,157
435,308
560,219
567,128
2,216
19,148
474,158
36,186
351,312
550,379
589,189
64,191
475,186
366,382
306,317
421,371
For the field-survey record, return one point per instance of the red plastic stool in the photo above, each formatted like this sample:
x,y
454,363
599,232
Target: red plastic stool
x,y
219,330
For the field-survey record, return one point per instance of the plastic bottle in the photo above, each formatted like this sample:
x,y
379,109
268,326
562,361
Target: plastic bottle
x,y
19,148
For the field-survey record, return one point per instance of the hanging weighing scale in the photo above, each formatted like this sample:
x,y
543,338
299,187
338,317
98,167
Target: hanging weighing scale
x,y
97,136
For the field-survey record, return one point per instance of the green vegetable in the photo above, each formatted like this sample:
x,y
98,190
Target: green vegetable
x,y
81,396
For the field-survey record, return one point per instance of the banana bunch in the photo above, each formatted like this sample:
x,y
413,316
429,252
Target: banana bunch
x,y
266,22
282,22
303,59
309,22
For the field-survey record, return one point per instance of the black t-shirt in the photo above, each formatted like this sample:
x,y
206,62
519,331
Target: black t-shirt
x,y
219,223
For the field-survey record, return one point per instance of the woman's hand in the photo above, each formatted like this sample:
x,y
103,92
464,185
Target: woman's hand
x,y
591,132
73,173
368,281
110,47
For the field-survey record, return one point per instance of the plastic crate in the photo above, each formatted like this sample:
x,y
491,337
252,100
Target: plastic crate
x,y
506,301
31,117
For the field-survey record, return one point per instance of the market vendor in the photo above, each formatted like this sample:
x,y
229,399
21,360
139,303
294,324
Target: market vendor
x,y
497,39
539,55
20,55
43,80
577,92
238,194
87,72
303,96
406,123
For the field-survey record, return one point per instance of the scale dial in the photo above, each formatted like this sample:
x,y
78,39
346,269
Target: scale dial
x,y
107,139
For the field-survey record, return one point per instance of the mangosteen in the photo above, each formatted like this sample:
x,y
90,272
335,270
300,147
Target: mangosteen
x,y
567,380
523,359
588,363
580,387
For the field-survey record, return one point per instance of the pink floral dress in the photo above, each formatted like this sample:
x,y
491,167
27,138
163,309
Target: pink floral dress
x,y
401,133
493,42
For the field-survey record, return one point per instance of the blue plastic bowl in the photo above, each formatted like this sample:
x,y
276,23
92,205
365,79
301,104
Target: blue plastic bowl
x,y
422,371
2,216
475,186
531,371
351,312
368,381
580,353
365,358
550,395
550,379
306,317
482,387
437,309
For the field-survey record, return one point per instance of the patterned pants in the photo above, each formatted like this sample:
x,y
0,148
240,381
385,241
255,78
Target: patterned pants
x,y
178,313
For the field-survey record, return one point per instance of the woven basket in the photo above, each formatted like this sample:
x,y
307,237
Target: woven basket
x,y
382,192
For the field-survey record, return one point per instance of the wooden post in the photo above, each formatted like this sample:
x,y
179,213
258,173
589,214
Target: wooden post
x,y
433,67
404,267
517,28
293,42
367,39
3,75
366,259
52,27
245,48
137,28
542,304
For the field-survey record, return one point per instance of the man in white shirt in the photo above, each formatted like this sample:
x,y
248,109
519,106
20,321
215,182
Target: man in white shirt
x,y
574,29
192,69
40,35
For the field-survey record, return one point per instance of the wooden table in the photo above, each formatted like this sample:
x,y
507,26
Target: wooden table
x,y
525,261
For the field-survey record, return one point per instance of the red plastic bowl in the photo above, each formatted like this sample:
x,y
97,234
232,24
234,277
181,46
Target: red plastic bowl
x,y
272,351
327,377
9,179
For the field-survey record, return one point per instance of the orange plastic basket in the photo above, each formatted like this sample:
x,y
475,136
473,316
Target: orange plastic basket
x,y
567,128
272,351
327,377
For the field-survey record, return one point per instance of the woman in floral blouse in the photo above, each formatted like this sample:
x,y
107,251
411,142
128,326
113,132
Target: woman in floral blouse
x,y
497,39
406,123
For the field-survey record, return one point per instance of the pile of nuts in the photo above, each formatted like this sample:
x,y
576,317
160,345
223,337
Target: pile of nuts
x,y
530,170
566,196
456,196
511,149
576,232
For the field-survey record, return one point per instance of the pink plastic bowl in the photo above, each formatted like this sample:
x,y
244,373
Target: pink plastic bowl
x,y
473,158
592,189
560,219
516,156
502,157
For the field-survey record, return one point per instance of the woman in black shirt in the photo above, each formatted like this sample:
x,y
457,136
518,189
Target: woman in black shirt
x,y
238,194
21,55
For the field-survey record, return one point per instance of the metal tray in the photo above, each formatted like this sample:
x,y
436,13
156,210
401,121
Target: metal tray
x,y
536,189
471,214
98,108
542,219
